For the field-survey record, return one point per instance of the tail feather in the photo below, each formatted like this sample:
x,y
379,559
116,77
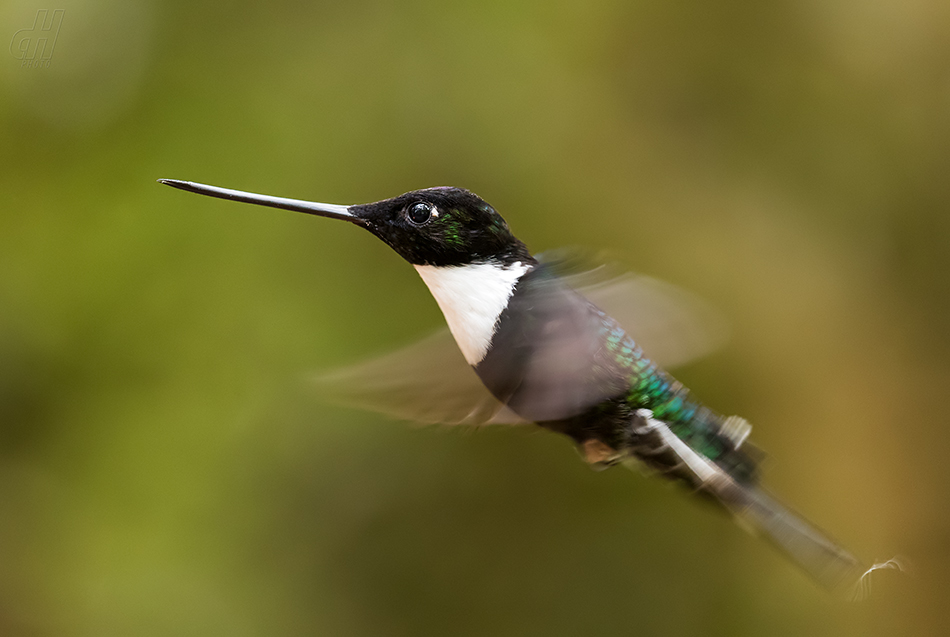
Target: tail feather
x,y
812,550
825,561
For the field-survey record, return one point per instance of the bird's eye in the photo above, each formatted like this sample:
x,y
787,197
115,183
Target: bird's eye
x,y
419,213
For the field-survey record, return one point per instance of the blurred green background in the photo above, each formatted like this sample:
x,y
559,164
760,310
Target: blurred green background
x,y
164,469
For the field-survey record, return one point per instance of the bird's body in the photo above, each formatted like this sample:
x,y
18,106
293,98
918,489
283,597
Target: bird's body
x,y
551,356
556,359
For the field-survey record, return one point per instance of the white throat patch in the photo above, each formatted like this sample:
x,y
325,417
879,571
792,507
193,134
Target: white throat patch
x,y
472,297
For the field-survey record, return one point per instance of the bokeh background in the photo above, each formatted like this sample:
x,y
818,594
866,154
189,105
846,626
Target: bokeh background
x,y
164,469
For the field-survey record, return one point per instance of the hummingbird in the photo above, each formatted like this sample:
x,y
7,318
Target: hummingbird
x,y
548,355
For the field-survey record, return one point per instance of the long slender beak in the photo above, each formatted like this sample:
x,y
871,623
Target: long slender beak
x,y
333,211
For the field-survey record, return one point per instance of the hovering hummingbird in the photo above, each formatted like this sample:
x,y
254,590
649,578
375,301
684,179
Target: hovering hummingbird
x,y
550,356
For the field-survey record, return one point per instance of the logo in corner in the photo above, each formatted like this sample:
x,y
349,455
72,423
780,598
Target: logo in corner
x,y
34,46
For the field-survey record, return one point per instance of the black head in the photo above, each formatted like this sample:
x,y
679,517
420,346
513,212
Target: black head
x,y
436,226
442,226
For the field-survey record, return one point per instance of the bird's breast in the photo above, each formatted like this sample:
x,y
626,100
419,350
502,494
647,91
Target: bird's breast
x,y
472,298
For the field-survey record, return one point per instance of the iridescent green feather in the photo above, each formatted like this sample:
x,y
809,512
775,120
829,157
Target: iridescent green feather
x,y
652,388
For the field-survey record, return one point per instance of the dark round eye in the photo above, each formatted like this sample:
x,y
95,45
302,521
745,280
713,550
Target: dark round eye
x,y
419,213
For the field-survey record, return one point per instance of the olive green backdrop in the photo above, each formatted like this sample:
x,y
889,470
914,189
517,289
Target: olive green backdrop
x,y
164,469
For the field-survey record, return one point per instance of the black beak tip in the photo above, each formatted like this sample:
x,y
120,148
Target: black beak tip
x,y
175,183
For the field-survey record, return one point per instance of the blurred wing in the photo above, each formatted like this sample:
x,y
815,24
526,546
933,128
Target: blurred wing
x,y
428,381
672,326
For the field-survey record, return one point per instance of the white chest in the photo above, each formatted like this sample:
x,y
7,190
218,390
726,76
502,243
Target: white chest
x,y
472,297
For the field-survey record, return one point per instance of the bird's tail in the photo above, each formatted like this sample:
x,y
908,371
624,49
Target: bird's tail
x,y
826,561
811,549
